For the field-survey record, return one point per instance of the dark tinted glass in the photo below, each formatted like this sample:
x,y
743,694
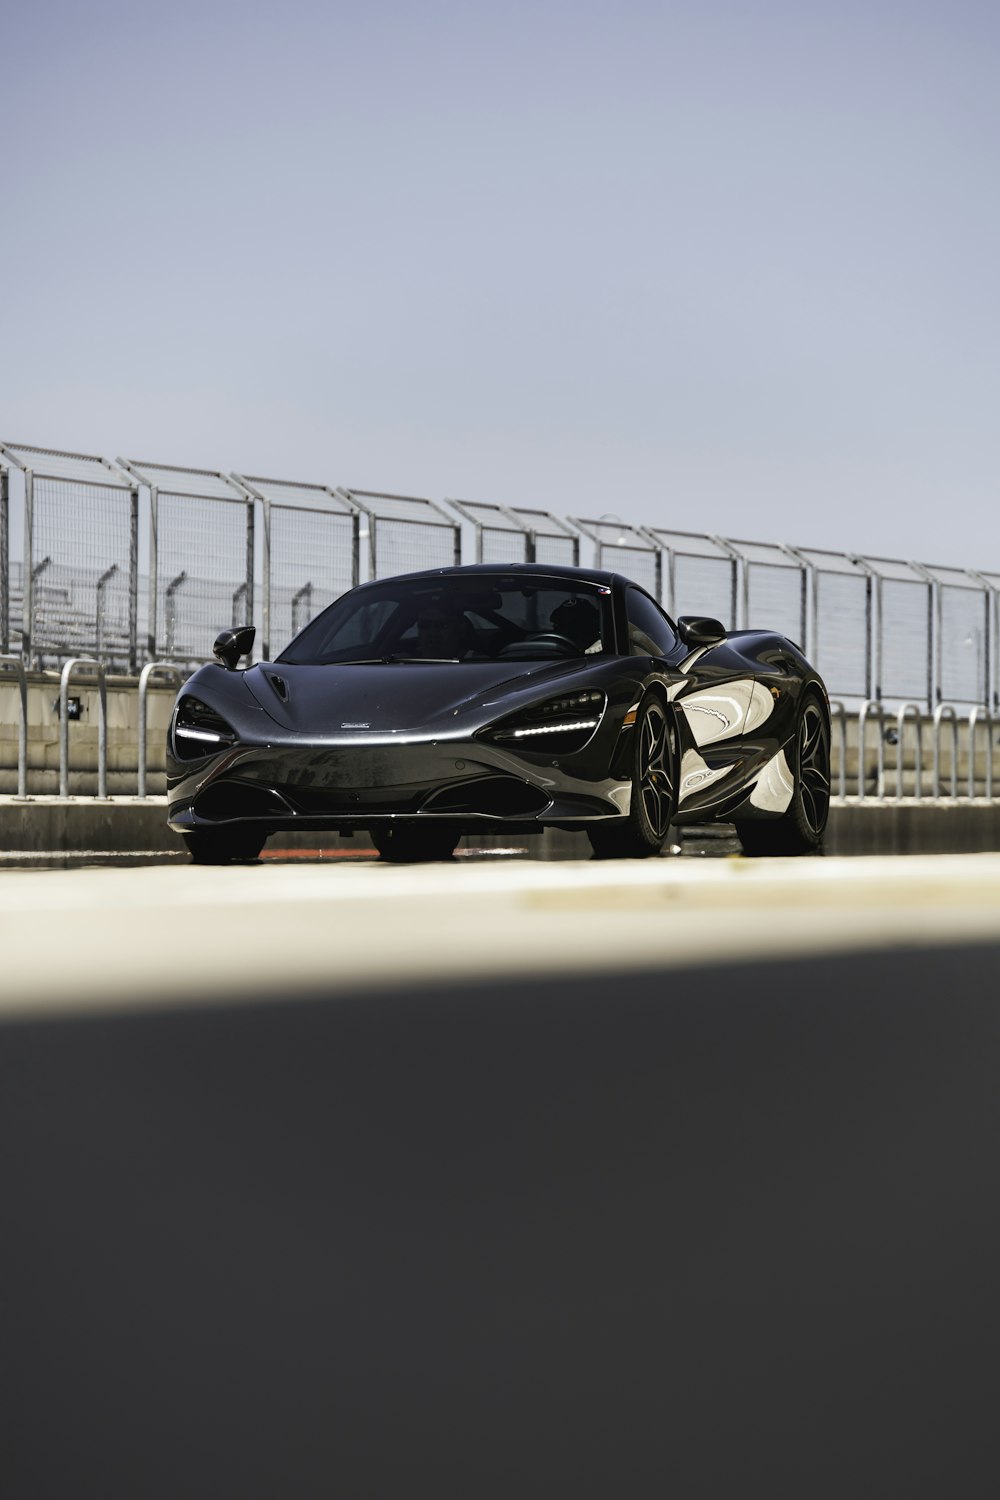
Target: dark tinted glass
x,y
478,617
649,630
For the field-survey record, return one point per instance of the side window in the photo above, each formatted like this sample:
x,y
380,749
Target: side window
x,y
649,630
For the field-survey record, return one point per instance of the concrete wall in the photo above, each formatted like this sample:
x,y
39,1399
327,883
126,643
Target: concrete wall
x,y
126,825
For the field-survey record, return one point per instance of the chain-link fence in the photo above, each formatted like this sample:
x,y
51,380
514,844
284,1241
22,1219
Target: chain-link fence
x,y
80,551
406,533
550,540
701,574
877,628
903,652
962,636
201,558
622,548
309,554
840,620
774,588
500,536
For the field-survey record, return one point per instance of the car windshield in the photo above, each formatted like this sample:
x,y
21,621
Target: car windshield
x,y
483,617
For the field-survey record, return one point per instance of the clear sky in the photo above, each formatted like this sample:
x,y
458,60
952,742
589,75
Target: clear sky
x,y
722,266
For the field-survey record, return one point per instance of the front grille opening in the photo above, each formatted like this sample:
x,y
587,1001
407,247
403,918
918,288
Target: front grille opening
x,y
489,796
239,799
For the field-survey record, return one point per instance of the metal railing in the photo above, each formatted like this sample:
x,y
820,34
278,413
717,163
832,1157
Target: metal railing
x,y
96,668
151,669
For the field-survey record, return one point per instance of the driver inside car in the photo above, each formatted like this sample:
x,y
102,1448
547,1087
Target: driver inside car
x,y
580,622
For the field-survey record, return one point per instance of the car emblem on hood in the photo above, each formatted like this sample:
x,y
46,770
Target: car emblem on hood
x,y
355,726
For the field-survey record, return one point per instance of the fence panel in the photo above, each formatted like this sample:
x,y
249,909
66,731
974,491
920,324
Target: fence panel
x,y
309,555
80,548
962,635
622,548
839,639
500,536
774,588
701,574
903,630
992,584
406,533
550,540
201,541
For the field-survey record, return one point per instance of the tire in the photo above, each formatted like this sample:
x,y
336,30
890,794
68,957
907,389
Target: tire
x,y
224,846
411,844
654,789
800,828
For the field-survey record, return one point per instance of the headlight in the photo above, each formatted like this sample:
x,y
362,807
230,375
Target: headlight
x,y
198,730
564,724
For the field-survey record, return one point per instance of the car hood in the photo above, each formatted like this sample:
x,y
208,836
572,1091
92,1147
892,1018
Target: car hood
x,y
401,697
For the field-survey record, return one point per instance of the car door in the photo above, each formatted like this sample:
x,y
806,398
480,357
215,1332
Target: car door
x,y
712,689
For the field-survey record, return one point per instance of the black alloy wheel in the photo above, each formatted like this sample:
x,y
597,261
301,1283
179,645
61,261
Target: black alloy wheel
x,y
414,843
224,846
654,789
800,828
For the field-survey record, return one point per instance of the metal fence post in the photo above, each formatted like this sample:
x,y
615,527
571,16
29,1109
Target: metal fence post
x,y
27,570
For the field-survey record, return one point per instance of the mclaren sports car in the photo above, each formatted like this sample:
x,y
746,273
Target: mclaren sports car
x,y
501,699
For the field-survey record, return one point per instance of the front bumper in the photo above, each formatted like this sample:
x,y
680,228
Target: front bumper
x,y
356,782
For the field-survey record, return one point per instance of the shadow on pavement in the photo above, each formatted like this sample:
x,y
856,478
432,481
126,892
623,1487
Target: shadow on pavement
x,y
707,1233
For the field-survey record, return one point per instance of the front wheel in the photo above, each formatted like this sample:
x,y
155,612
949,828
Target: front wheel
x,y
224,846
411,844
654,790
800,828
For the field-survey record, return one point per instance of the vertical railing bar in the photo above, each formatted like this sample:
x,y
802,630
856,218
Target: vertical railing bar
x,y
149,670
133,578
907,711
27,571
945,711
871,708
102,727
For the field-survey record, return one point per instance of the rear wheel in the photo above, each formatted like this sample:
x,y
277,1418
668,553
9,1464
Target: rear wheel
x,y
654,790
799,830
224,846
410,843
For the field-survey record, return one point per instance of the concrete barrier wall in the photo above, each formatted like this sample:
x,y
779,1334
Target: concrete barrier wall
x,y
126,825
123,735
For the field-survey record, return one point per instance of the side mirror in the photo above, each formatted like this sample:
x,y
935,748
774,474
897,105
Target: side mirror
x,y
230,645
700,630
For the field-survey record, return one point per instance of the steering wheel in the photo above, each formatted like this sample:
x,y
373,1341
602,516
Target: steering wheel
x,y
543,639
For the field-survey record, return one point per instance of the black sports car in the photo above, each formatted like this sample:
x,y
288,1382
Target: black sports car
x,y
486,699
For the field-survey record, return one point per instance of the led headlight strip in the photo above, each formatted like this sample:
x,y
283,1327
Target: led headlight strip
x,y
185,732
578,724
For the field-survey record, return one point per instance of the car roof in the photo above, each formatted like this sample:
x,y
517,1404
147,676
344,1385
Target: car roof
x,y
538,570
